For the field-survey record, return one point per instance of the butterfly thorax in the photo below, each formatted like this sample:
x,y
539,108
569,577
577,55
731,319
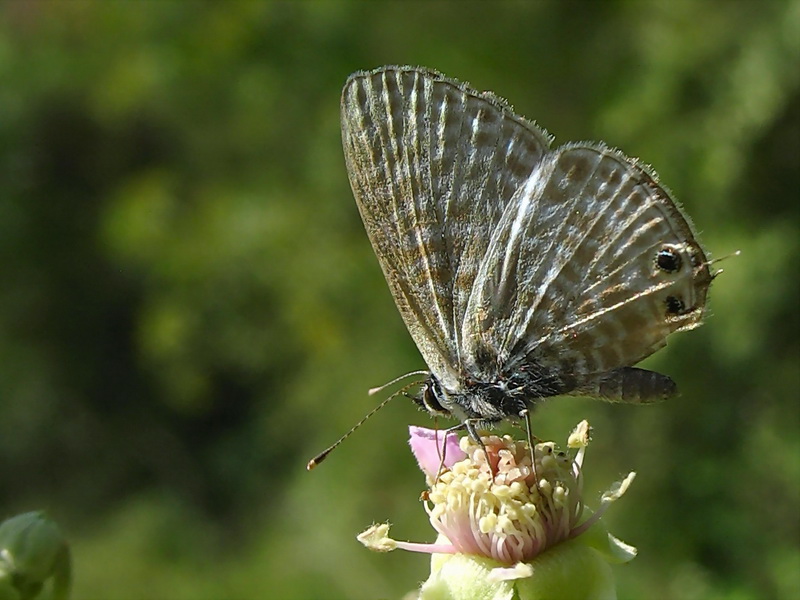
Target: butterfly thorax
x,y
490,400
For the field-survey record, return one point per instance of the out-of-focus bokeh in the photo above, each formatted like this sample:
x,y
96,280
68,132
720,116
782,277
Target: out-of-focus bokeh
x,y
190,308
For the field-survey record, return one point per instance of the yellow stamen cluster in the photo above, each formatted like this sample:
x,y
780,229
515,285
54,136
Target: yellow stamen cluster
x,y
493,503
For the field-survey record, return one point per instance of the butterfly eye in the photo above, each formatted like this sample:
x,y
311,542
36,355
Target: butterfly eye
x,y
668,259
675,305
429,398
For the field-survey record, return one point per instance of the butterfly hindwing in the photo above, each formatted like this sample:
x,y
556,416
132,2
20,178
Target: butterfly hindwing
x,y
571,279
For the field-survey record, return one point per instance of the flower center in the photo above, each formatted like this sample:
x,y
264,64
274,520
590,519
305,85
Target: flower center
x,y
506,516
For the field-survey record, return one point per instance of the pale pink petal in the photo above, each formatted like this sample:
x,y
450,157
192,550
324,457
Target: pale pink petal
x,y
430,445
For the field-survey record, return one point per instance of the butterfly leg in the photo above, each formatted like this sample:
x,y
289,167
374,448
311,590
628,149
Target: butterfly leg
x,y
524,414
470,426
442,450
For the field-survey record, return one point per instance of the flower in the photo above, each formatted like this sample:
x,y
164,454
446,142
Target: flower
x,y
510,521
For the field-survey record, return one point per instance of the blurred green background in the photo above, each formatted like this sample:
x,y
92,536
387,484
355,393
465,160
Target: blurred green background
x,y
190,307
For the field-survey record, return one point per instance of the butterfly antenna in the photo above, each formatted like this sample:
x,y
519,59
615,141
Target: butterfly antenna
x,y
314,462
380,388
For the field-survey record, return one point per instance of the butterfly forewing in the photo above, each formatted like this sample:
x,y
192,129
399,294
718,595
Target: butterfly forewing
x,y
432,165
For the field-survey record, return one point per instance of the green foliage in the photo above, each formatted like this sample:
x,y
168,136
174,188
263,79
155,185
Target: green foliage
x,y
190,308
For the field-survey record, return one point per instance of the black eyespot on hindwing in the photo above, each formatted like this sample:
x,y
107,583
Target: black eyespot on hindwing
x,y
668,259
675,305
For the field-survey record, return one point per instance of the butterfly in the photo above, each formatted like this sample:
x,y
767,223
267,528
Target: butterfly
x,y
521,271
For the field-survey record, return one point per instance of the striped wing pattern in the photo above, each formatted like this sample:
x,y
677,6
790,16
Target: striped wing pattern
x,y
433,166
504,255
570,279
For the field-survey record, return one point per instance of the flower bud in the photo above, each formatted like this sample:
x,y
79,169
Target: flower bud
x,y
33,551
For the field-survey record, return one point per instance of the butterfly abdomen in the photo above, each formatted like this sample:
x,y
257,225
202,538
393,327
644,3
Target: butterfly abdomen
x,y
629,385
